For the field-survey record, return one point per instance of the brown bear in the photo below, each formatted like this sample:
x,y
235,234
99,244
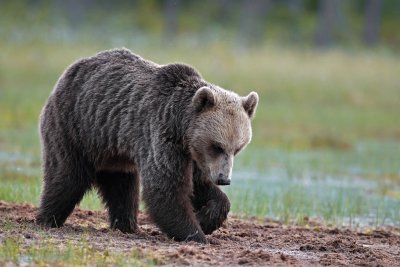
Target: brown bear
x,y
115,119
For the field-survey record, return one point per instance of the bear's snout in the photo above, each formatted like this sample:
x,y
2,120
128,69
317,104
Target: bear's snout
x,y
223,180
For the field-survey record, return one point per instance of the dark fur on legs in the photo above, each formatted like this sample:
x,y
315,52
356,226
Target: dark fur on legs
x,y
63,190
168,203
58,203
120,193
211,204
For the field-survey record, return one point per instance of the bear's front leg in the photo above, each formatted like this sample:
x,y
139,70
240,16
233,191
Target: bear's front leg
x,y
167,197
211,204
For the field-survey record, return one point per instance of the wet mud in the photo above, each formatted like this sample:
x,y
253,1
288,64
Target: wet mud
x,y
247,242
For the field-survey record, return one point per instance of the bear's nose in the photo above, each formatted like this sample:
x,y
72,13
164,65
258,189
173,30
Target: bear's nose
x,y
223,180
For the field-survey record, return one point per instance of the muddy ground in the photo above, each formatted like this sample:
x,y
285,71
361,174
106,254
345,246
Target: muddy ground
x,y
238,242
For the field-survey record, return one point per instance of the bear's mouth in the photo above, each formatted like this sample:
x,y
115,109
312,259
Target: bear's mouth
x,y
223,182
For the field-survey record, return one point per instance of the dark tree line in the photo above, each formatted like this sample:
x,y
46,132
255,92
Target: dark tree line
x,y
330,19
249,20
253,17
373,15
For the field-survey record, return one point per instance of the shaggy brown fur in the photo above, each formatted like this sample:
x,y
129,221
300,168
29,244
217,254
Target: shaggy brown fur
x,y
115,119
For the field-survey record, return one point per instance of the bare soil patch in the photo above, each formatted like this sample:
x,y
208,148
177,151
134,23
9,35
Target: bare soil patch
x,y
239,242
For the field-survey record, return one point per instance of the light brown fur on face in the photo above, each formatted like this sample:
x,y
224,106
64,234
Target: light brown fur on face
x,y
222,130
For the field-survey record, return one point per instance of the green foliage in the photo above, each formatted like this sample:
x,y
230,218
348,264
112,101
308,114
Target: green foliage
x,y
45,253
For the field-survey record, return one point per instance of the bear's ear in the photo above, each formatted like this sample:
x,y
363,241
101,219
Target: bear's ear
x,y
250,104
203,99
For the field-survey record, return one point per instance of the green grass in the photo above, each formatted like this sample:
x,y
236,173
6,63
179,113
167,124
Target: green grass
x,y
49,253
325,140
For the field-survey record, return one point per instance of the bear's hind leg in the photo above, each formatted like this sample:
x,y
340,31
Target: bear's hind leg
x,y
120,193
64,188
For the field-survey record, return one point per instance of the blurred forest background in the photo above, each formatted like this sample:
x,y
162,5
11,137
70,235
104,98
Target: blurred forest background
x,y
320,23
326,137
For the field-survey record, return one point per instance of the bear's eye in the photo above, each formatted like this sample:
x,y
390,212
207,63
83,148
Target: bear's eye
x,y
218,149
238,150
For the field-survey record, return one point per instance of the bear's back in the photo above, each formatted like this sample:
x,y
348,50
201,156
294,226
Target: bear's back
x,y
109,99
105,68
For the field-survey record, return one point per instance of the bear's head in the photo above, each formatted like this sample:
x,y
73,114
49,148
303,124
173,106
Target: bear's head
x,y
221,129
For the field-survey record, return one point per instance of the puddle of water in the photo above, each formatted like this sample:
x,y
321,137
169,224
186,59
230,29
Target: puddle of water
x,y
19,164
25,260
13,157
298,254
347,200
